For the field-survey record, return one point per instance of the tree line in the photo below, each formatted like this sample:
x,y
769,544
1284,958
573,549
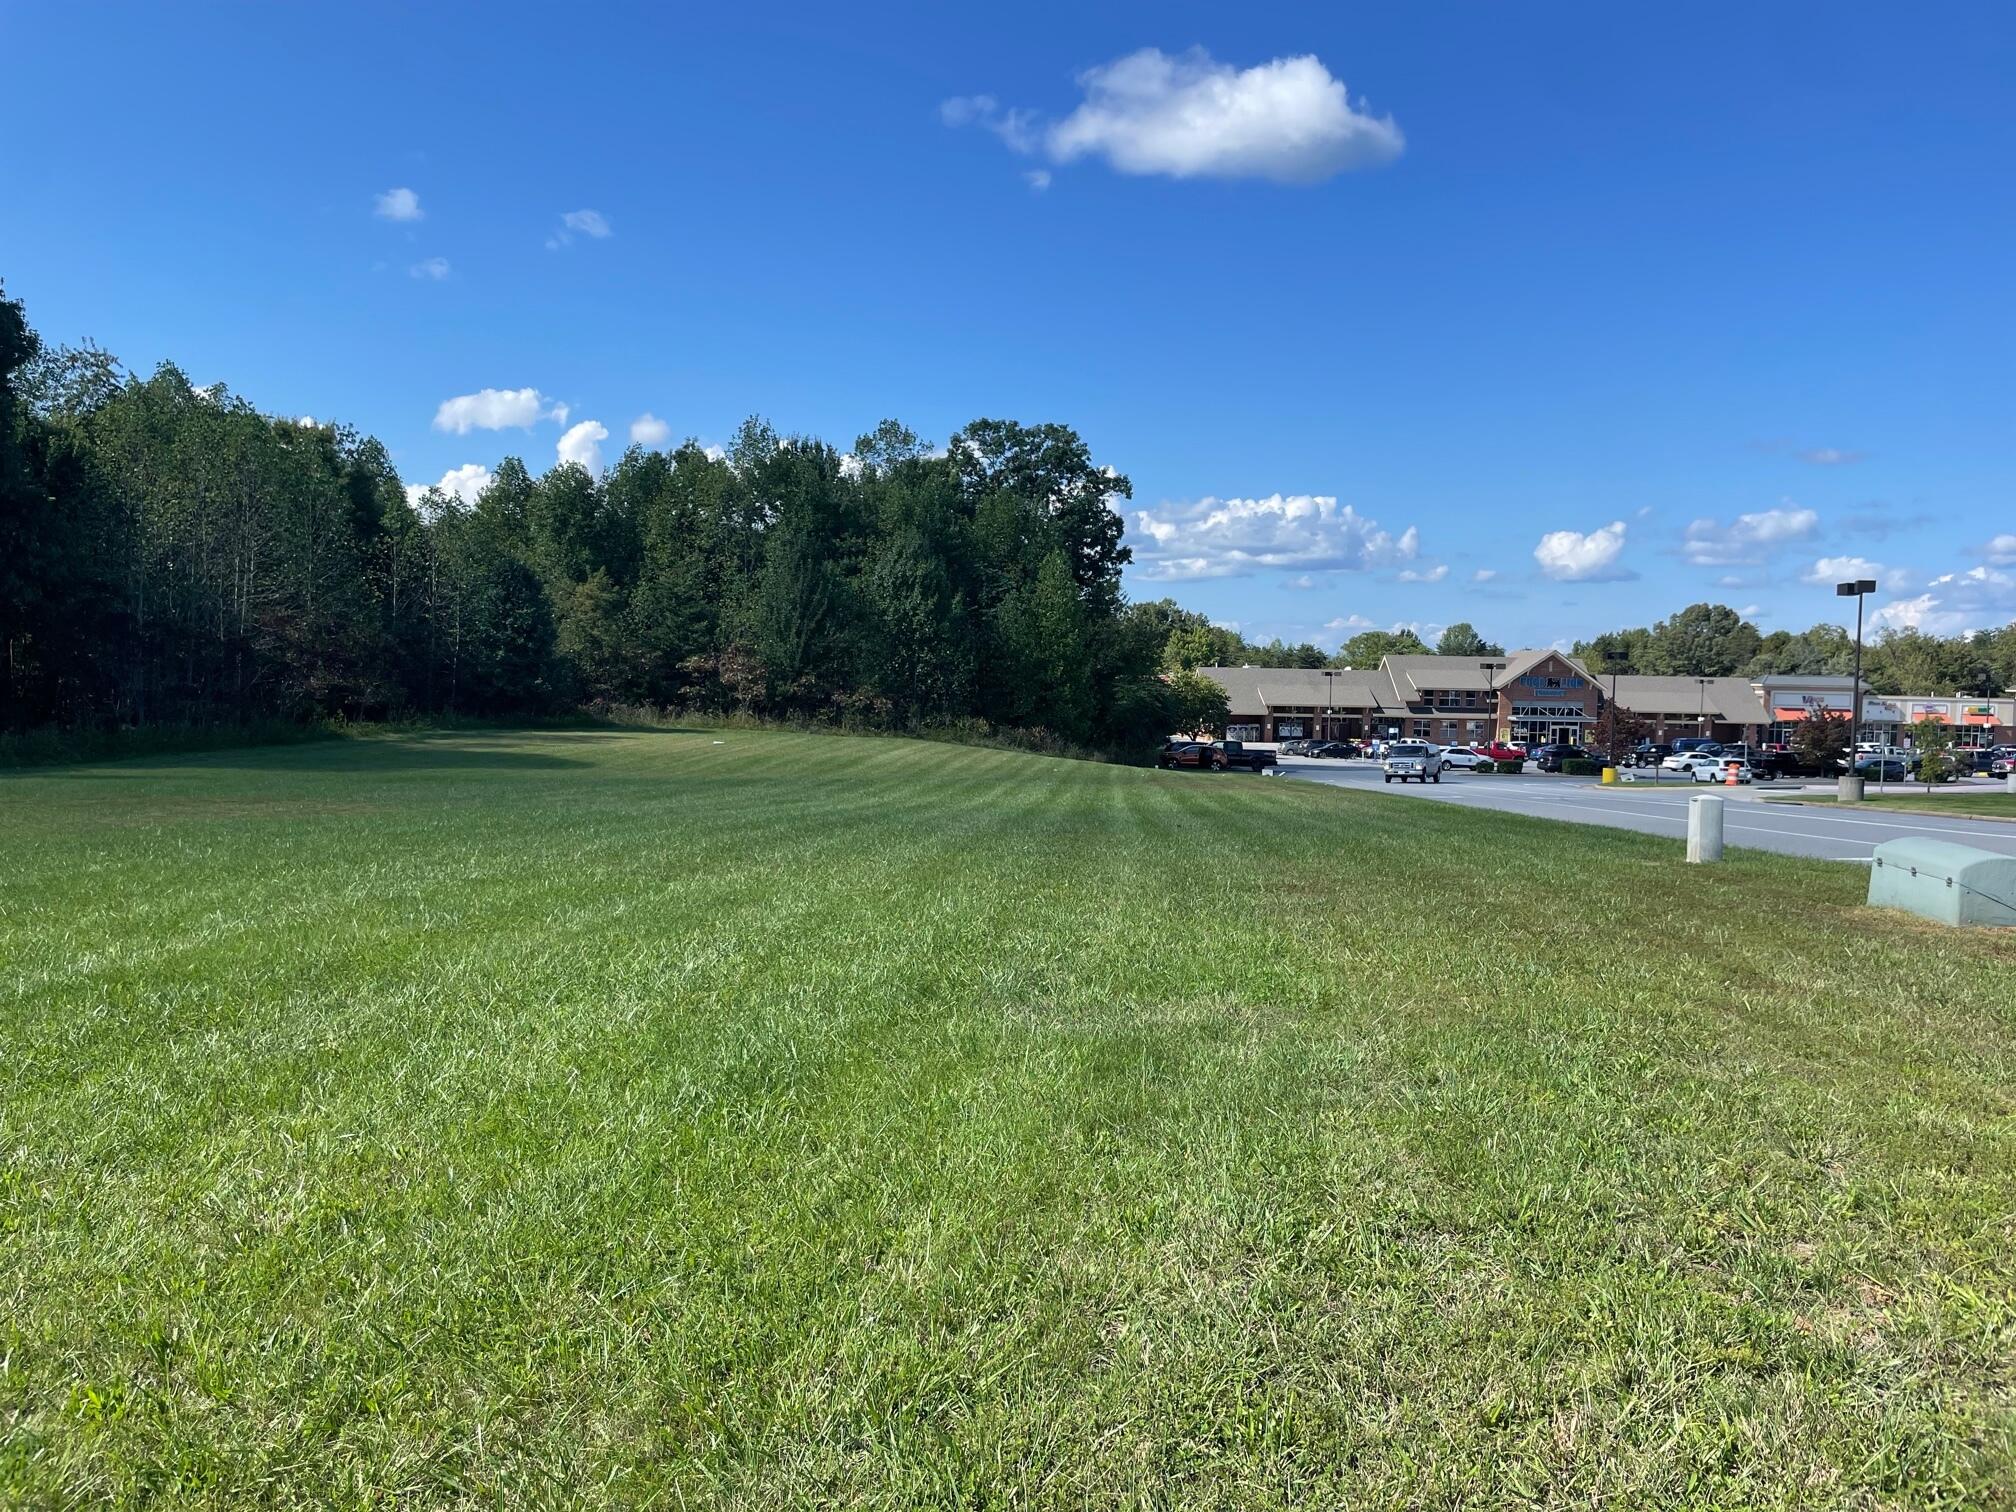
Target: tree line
x,y
169,554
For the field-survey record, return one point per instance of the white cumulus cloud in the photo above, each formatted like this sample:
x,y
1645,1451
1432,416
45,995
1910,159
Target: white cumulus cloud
x,y
1570,556
1955,603
1842,569
497,409
1213,538
1190,116
464,483
1433,574
648,430
434,268
1749,537
2001,551
582,444
1349,622
398,205
1187,115
1483,574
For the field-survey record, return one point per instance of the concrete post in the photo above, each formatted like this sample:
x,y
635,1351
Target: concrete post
x,y
1850,790
2009,784
1704,827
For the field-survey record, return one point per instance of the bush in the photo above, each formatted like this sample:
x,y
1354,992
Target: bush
x,y
1578,766
1511,766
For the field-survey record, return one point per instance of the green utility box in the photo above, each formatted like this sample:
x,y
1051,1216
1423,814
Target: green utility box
x,y
1948,883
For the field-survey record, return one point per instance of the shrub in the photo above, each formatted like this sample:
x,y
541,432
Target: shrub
x,y
1578,766
1511,766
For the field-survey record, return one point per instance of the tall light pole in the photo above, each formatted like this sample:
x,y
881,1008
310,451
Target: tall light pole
x,y
1329,703
1491,669
1701,706
1858,590
1614,661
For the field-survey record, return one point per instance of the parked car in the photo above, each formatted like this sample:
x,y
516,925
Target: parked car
x,y
1684,762
2002,763
1293,747
1883,769
1332,750
1499,750
1227,754
1549,757
1723,769
1765,761
1649,754
1463,758
1691,745
1183,753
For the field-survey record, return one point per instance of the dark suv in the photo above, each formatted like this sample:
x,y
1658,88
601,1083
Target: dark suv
x,y
1549,758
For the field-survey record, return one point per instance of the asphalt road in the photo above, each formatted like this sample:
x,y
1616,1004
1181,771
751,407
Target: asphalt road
x,y
1802,830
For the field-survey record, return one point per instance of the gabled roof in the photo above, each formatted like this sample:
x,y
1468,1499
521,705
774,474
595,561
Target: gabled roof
x,y
1727,700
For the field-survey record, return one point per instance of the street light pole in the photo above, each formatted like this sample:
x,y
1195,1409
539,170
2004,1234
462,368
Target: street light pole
x,y
1614,660
1857,590
1860,589
1491,669
1329,703
1701,707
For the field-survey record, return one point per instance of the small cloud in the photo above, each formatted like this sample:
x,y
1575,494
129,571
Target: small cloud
x,y
1570,556
1038,179
1828,456
1749,537
648,430
398,205
463,483
1483,574
1750,611
1729,581
1433,574
2001,551
497,409
308,422
582,445
1016,128
1300,582
434,268
1349,622
590,223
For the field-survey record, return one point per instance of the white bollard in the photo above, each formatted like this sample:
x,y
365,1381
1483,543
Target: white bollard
x,y
1848,789
1704,828
2009,784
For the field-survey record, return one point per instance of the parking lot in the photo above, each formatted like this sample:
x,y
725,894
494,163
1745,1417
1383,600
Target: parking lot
x,y
1661,809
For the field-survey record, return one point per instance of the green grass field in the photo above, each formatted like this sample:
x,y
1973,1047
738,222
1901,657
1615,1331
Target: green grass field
x,y
760,1120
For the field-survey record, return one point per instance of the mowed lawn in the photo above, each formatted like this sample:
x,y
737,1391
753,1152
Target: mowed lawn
x,y
748,1119
1974,806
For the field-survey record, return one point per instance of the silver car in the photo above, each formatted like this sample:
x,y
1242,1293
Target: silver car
x,y
1414,760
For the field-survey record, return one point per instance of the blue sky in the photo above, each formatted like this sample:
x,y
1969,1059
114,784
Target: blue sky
x,y
1551,318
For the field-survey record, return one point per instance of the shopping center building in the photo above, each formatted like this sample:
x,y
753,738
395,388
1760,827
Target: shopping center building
x,y
1547,697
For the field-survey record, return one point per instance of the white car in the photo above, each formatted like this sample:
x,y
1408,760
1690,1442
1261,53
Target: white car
x,y
1721,770
1462,758
1687,761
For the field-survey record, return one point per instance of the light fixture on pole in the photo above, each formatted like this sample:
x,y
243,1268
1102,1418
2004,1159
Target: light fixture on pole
x,y
1329,703
1858,590
1701,706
